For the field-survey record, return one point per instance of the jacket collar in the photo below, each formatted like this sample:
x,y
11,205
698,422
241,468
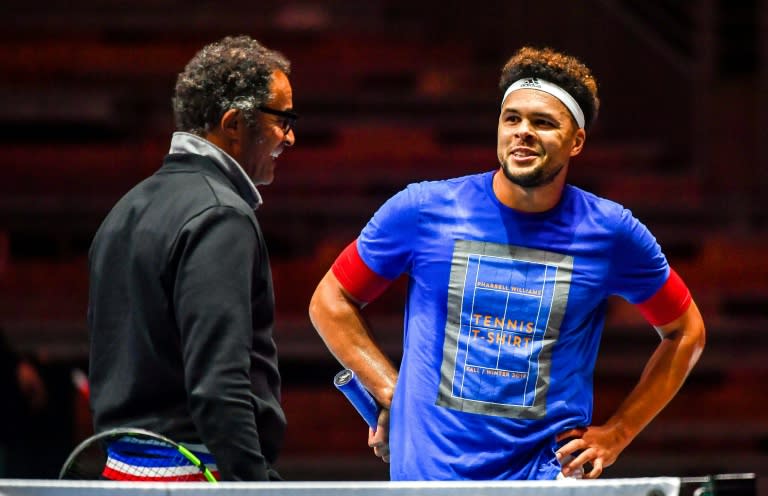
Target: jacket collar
x,y
183,142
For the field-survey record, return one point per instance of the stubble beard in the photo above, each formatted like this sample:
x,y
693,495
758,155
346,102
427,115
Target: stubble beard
x,y
262,173
536,177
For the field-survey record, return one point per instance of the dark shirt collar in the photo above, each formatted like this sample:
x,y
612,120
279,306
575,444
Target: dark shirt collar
x,y
182,142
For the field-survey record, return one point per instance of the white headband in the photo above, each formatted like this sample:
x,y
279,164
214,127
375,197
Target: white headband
x,y
551,88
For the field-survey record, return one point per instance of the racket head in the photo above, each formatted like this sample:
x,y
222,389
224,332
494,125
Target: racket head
x,y
162,458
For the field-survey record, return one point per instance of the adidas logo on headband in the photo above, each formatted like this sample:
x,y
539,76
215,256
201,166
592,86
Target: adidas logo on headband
x,y
551,88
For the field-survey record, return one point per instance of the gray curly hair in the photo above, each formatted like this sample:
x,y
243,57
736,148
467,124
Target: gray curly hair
x,y
234,72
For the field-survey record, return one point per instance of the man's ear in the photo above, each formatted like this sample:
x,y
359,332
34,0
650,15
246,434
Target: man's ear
x,y
578,142
231,122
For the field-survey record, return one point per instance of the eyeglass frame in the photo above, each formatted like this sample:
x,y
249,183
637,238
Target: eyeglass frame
x,y
289,117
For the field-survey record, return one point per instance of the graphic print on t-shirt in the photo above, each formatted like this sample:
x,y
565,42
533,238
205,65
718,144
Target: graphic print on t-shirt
x,y
505,306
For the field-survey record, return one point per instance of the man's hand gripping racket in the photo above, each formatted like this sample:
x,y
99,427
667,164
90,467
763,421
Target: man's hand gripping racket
x,y
346,382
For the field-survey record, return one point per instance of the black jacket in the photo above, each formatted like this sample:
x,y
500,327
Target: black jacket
x,y
181,311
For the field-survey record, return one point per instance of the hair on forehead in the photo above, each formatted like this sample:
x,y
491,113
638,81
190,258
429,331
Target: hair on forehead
x,y
564,70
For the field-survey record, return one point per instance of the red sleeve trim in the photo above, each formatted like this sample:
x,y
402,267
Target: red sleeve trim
x,y
356,277
669,302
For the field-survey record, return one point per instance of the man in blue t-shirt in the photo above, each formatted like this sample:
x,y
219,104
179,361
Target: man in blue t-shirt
x,y
509,273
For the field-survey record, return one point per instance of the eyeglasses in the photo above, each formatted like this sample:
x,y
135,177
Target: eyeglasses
x,y
288,120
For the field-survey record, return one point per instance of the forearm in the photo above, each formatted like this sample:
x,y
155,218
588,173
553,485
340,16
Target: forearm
x,y
346,333
681,345
213,308
220,394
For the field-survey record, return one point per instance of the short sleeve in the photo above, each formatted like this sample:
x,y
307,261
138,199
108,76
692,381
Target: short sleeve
x,y
386,242
638,266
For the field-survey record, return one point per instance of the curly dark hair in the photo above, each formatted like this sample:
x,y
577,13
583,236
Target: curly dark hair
x,y
234,72
564,70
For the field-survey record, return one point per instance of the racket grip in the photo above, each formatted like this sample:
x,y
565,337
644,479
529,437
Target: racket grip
x,y
346,381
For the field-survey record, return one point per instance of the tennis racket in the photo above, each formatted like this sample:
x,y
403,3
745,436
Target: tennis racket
x,y
347,382
130,454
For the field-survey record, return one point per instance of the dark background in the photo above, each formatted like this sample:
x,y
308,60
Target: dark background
x,y
390,92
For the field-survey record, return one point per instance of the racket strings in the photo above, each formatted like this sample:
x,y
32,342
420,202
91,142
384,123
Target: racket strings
x,y
150,460
87,465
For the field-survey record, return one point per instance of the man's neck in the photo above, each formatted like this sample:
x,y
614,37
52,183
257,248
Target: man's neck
x,y
529,200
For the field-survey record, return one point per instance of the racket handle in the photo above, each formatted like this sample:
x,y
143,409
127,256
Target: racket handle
x,y
361,399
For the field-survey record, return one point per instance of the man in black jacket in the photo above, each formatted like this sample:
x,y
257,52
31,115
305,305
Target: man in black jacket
x,y
181,304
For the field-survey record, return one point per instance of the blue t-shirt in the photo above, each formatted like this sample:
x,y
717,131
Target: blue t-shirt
x,y
502,322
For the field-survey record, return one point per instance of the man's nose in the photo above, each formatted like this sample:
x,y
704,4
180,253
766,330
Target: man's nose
x,y
523,130
289,138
